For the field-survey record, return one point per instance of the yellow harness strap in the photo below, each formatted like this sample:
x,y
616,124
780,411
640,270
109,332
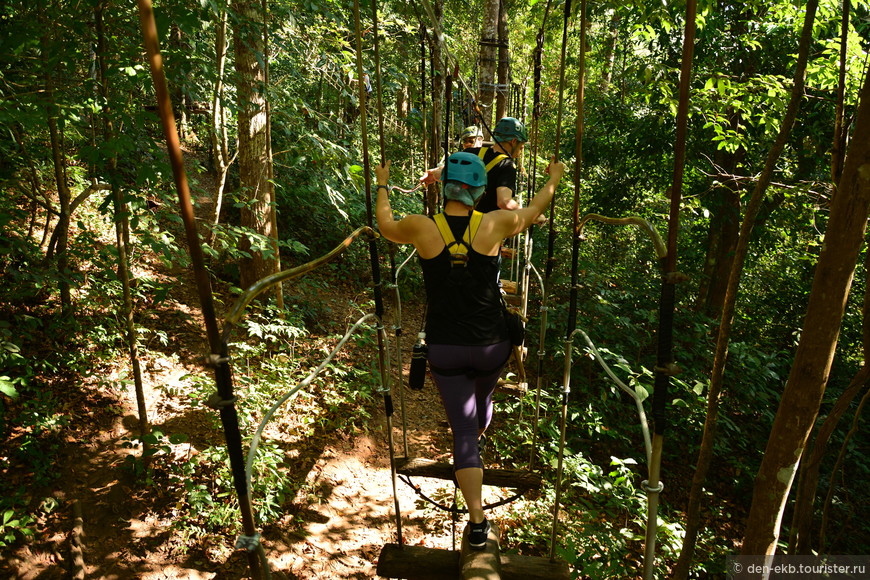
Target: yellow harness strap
x,y
495,161
457,255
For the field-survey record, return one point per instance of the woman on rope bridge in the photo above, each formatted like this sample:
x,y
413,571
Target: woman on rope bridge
x,y
465,329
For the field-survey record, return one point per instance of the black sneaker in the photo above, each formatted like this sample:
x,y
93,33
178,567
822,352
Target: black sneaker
x,y
478,534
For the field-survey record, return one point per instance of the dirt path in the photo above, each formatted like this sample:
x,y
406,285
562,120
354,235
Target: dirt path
x,y
334,527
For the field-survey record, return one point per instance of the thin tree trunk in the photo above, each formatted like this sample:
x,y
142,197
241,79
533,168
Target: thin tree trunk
x,y
721,242
808,481
273,200
838,149
610,53
501,101
837,465
803,393
122,235
219,139
57,247
253,148
488,42
705,453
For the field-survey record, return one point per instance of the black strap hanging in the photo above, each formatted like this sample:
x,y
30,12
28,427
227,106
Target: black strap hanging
x,y
224,400
551,242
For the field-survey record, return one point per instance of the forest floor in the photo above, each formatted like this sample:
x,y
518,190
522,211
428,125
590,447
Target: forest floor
x,y
335,526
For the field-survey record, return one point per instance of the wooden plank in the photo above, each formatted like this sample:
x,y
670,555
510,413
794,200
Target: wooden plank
x,y
514,300
514,389
422,563
481,564
516,478
417,563
516,567
509,286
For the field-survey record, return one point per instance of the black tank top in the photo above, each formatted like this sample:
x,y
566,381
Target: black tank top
x,y
464,304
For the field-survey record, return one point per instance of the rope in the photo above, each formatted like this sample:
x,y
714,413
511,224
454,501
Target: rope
x,y
223,376
237,312
572,309
551,241
453,509
398,333
373,250
536,103
412,190
665,354
637,400
255,441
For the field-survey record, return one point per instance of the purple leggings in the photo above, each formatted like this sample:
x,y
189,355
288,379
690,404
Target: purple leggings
x,y
467,399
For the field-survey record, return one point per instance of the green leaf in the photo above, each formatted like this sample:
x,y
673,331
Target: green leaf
x,y
8,388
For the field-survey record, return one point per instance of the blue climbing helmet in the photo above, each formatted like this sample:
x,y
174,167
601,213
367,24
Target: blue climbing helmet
x,y
509,128
464,177
466,168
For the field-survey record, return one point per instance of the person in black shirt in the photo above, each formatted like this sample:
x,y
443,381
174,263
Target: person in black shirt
x,y
509,136
465,329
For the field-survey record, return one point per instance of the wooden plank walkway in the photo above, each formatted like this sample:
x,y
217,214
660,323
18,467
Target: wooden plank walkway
x,y
422,563
419,467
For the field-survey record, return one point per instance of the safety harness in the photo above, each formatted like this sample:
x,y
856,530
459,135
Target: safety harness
x,y
495,160
459,259
458,248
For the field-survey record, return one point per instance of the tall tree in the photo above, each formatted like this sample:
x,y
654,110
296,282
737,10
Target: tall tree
x,y
806,383
58,246
723,336
122,236
488,58
253,152
503,68
220,149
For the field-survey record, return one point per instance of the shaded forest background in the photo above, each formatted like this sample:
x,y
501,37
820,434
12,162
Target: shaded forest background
x,y
93,257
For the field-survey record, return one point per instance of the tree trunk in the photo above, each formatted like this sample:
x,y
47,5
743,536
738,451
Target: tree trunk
x,y
57,247
809,374
501,101
839,143
705,453
808,480
270,183
724,231
220,149
488,42
725,203
122,235
438,73
253,146
609,58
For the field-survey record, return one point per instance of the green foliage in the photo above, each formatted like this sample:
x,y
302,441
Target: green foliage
x,y
741,80
14,525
